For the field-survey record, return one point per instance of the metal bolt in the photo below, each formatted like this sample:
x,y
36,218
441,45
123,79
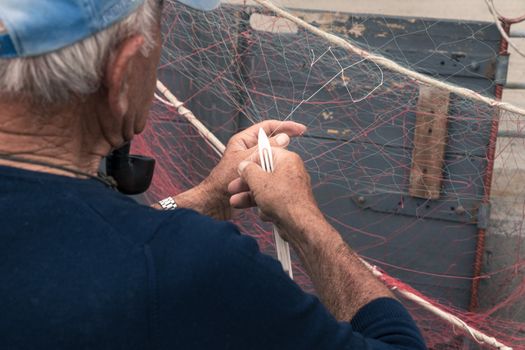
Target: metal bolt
x,y
460,210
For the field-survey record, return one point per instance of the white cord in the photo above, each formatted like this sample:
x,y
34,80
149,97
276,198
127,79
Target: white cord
x,y
209,137
493,12
389,64
479,337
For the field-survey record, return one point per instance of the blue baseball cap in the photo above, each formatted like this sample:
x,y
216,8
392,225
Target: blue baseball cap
x,y
36,27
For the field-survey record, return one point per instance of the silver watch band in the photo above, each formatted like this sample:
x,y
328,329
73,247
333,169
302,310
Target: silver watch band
x,y
168,203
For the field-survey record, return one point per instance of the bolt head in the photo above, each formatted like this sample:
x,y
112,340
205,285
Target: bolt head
x,y
460,210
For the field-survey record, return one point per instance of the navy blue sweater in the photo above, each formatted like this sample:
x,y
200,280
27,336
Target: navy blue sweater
x,y
83,267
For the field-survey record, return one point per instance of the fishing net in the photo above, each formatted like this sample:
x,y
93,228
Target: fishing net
x,y
409,173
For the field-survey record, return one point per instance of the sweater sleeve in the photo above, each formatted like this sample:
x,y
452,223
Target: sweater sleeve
x,y
232,296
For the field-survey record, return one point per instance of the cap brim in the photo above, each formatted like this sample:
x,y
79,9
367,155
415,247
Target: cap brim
x,y
203,5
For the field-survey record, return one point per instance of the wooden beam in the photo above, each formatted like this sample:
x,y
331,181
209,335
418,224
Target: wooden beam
x,y
430,139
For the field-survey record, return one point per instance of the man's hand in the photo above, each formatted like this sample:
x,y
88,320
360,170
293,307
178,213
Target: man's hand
x,y
284,197
211,197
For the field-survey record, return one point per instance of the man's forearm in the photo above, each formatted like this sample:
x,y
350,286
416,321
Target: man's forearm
x,y
343,283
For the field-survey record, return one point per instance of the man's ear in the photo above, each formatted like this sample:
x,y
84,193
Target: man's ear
x,y
118,73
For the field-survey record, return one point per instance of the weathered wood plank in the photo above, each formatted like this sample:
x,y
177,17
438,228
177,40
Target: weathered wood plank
x,y
430,136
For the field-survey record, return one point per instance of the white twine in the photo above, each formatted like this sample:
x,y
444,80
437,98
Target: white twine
x,y
209,137
494,13
389,64
478,336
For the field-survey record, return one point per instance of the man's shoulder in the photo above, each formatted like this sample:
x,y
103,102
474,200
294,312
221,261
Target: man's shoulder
x,y
180,227
194,235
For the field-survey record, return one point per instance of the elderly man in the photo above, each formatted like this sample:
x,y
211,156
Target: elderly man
x,y
83,266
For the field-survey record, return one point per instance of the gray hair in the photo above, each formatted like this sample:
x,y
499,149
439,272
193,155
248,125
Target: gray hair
x,y
75,70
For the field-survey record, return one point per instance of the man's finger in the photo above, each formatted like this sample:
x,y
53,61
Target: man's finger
x,y
238,185
281,140
250,136
242,200
271,127
250,172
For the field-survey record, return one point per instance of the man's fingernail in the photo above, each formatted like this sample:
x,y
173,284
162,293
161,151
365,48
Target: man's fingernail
x,y
282,139
243,165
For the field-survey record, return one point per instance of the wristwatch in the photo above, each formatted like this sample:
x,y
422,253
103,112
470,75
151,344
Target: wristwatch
x,y
168,203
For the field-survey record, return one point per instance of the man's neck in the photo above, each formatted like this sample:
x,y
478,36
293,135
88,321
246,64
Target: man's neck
x,y
61,138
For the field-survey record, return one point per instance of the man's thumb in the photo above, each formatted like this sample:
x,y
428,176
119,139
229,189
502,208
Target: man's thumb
x,y
247,170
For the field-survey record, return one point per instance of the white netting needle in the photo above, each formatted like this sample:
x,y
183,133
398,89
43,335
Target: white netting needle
x,y
282,247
